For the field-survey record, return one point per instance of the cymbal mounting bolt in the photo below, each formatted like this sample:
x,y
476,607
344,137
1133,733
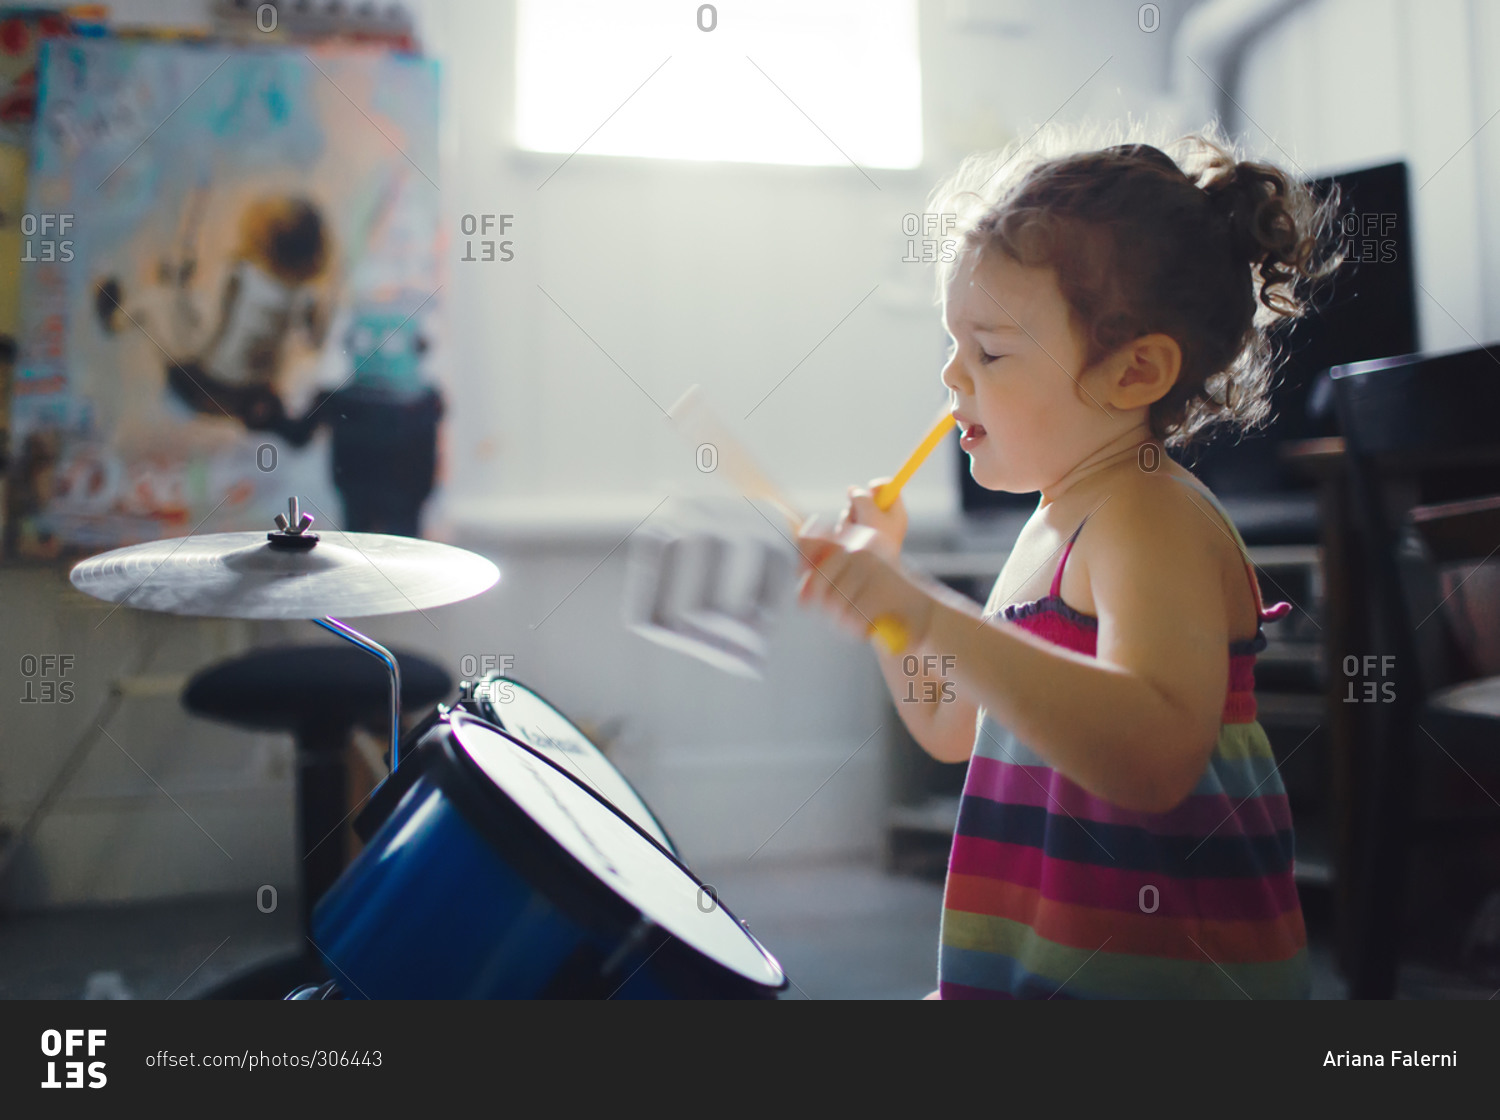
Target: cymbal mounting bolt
x,y
292,531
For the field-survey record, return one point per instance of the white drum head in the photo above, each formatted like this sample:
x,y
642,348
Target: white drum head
x,y
619,856
539,725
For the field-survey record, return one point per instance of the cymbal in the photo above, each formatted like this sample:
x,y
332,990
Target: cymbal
x,y
246,575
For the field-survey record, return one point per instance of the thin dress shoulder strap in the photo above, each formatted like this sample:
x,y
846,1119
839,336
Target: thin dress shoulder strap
x,y
1263,613
1068,551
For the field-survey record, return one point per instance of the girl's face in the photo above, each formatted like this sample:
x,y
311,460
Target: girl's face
x,y
1016,376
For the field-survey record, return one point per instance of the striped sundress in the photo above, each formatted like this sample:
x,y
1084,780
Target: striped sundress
x,y
1053,892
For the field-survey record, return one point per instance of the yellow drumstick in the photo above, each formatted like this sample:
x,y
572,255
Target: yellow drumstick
x,y
890,630
693,417
886,496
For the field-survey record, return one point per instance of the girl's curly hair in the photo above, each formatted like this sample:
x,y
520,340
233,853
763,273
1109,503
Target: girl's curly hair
x,y
1200,245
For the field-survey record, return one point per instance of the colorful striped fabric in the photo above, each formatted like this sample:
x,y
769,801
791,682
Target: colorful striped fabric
x,y
1055,893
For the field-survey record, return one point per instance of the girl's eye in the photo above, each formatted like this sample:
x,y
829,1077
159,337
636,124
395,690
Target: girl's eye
x,y
986,359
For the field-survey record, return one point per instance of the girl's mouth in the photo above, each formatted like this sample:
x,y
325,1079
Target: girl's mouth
x,y
972,437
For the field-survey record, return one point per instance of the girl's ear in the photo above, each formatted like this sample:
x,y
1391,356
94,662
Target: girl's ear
x,y
1143,371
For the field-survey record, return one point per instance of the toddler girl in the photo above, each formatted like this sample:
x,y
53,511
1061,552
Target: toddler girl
x,y
1123,831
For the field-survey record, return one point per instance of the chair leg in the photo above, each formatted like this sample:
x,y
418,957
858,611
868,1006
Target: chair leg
x,y
1381,885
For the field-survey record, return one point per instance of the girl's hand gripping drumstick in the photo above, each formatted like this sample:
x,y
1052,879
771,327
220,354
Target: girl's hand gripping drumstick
x,y
694,419
891,632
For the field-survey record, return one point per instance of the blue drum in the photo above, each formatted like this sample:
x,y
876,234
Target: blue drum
x,y
522,714
494,873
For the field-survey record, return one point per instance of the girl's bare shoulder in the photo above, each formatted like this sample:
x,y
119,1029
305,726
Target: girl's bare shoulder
x,y
1156,509
1162,527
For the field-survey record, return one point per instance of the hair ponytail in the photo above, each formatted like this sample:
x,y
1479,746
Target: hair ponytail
x,y
1274,227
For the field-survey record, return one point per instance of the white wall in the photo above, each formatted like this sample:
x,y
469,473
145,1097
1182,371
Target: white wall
x,y
116,833
1347,83
727,275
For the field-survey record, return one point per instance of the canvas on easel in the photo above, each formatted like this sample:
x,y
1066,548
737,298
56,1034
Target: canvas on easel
x,y
230,211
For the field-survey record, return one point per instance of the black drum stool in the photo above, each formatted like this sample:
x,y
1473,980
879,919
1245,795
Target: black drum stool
x,y
318,693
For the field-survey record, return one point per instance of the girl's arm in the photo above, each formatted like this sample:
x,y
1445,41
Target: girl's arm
x,y
935,707
1134,725
938,712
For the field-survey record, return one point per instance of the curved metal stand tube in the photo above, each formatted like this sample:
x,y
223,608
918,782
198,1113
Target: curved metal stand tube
x,y
370,646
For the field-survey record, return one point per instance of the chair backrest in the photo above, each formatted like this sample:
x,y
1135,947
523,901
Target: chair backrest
x,y
1420,431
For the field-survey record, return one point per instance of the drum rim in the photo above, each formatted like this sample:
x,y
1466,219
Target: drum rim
x,y
478,778
671,844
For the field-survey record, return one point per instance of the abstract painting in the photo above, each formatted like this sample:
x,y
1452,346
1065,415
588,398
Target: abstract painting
x,y
232,217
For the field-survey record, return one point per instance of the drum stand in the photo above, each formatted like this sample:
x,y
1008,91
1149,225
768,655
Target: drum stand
x,y
293,535
386,658
294,971
320,797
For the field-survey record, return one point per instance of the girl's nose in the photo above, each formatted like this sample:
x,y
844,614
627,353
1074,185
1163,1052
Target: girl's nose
x,y
955,378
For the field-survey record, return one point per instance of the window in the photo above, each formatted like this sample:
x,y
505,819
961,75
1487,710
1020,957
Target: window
x,y
778,81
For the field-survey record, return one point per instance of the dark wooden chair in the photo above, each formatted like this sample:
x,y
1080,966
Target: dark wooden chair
x,y
1422,437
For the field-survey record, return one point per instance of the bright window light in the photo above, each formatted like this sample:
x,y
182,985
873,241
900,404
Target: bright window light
x,y
777,81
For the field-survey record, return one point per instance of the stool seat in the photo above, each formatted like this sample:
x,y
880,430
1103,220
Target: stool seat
x,y
287,688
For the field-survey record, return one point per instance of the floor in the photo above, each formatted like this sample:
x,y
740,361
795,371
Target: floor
x,y
841,931
851,931
144,951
